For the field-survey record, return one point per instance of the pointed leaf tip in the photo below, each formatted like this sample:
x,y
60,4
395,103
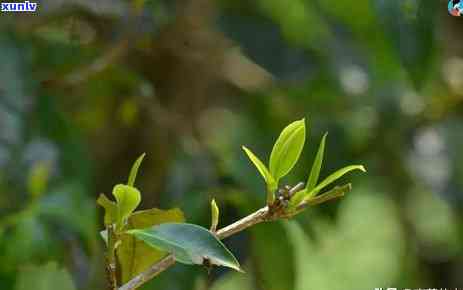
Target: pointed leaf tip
x,y
317,165
269,179
189,243
259,165
334,176
134,170
134,255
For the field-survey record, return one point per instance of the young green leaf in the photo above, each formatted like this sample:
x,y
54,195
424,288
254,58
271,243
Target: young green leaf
x,y
190,244
296,199
337,191
287,149
128,198
110,207
134,170
269,180
214,215
134,255
333,177
259,165
316,167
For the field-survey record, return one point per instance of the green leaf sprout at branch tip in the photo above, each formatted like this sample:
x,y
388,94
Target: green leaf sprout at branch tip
x,y
127,199
287,149
285,153
317,165
214,215
284,156
134,170
305,196
138,241
269,180
336,175
110,207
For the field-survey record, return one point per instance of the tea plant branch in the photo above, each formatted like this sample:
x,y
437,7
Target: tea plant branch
x,y
273,212
111,258
193,244
258,216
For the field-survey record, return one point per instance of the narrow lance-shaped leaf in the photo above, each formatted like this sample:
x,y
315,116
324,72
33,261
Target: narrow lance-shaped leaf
x,y
316,167
287,149
337,191
259,165
189,243
128,198
334,176
269,180
214,215
134,170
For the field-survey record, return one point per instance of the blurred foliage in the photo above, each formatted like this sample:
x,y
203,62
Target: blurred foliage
x,y
331,258
86,86
44,277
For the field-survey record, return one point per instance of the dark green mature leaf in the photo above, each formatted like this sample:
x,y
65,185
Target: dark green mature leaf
x,y
44,277
110,207
189,243
316,167
128,198
134,255
134,170
287,149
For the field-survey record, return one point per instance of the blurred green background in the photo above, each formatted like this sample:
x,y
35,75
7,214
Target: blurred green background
x,y
87,86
